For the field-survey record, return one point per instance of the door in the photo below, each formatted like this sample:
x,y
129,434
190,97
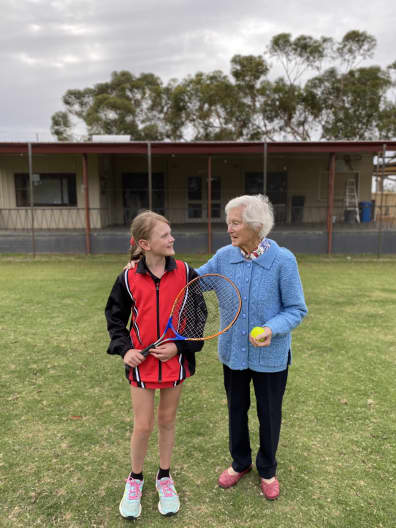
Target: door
x,y
197,197
136,196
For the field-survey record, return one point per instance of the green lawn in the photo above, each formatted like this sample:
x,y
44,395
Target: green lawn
x,y
65,415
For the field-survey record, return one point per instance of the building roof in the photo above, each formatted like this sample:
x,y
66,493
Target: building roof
x,y
197,147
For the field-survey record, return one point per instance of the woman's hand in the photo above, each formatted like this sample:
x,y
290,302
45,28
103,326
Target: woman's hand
x,y
133,358
262,340
165,351
130,265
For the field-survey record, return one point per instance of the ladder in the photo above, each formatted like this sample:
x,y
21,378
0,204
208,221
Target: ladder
x,y
351,199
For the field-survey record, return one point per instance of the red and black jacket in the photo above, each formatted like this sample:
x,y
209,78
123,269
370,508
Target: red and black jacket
x,y
145,300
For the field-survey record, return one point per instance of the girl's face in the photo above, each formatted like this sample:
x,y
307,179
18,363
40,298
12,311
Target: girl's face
x,y
161,240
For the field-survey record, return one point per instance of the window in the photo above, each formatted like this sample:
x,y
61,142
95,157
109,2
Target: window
x,y
197,191
276,190
216,189
195,188
51,189
254,183
194,210
276,185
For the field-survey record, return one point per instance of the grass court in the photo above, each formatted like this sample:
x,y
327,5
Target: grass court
x,y
65,417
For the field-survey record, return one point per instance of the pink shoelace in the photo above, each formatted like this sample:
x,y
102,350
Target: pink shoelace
x,y
134,489
167,487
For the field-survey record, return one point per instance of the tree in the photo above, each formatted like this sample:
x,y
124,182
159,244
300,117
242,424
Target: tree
x,y
299,55
332,104
250,115
208,104
350,106
324,92
354,47
125,105
61,126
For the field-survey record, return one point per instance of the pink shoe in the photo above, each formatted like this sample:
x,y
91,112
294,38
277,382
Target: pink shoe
x,y
226,480
271,491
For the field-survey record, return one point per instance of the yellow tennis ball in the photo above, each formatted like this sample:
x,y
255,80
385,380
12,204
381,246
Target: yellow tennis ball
x,y
256,331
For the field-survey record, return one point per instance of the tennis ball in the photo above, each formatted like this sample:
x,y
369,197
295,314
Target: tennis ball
x,y
256,331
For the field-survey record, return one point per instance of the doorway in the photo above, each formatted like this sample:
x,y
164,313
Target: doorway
x,y
135,194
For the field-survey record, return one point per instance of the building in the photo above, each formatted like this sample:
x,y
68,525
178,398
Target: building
x,y
89,192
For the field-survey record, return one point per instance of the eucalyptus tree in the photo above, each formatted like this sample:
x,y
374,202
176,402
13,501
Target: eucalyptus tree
x,y
321,89
127,104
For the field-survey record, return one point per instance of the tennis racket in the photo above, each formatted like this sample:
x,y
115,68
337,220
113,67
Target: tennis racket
x,y
205,308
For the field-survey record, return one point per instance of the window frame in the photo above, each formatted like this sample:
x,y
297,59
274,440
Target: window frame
x,y
201,204
64,178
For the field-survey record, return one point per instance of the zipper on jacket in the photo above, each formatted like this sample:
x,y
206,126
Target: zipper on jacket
x,y
157,285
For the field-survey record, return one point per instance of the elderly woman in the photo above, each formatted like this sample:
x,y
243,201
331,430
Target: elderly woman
x,y
272,298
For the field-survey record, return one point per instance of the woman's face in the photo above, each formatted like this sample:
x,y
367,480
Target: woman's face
x,y
242,235
161,240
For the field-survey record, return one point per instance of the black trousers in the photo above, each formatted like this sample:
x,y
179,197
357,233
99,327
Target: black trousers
x,y
269,388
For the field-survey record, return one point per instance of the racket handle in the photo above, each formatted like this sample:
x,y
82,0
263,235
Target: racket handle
x,y
145,351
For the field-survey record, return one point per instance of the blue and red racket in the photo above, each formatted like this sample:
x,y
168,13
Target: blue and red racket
x,y
205,308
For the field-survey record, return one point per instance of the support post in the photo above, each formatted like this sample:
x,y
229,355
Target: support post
x,y
210,205
30,161
330,203
86,204
380,234
150,178
265,165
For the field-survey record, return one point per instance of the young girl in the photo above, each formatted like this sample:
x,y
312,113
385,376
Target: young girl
x,y
144,294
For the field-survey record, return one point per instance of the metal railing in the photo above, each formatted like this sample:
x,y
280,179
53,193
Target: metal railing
x,y
52,218
72,218
19,224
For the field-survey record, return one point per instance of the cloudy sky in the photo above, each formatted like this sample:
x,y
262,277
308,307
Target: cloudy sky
x,y
49,46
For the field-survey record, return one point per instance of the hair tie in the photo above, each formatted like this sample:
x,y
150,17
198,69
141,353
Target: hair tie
x,y
132,241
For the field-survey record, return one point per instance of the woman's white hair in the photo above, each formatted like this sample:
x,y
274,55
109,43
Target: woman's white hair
x,y
257,212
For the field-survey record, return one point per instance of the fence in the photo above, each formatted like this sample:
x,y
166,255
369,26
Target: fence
x,y
47,218
303,229
73,218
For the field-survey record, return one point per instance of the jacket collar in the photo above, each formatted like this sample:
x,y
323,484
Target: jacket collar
x,y
265,260
170,265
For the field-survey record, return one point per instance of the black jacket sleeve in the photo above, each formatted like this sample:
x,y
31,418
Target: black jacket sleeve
x,y
118,312
190,347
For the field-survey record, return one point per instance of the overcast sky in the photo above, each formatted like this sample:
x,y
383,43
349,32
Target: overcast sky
x,y
49,46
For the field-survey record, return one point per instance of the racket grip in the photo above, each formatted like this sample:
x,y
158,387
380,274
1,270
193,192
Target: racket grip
x,y
145,351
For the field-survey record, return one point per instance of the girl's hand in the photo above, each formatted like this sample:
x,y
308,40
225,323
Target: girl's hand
x,y
165,351
133,358
262,340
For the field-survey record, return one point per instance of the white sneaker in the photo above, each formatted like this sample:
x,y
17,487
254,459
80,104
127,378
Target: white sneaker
x,y
130,507
169,503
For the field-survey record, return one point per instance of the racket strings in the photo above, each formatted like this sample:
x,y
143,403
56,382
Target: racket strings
x,y
207,307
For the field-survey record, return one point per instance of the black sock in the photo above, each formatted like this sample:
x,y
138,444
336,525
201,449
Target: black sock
x,y
163,473
136,476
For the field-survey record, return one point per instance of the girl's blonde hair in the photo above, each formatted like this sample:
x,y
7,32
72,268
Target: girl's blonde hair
x,y
141,228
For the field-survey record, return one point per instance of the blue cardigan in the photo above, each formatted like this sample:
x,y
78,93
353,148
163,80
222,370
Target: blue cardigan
x,y
272,296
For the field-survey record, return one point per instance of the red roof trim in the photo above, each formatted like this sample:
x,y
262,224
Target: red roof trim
x,y
203,148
